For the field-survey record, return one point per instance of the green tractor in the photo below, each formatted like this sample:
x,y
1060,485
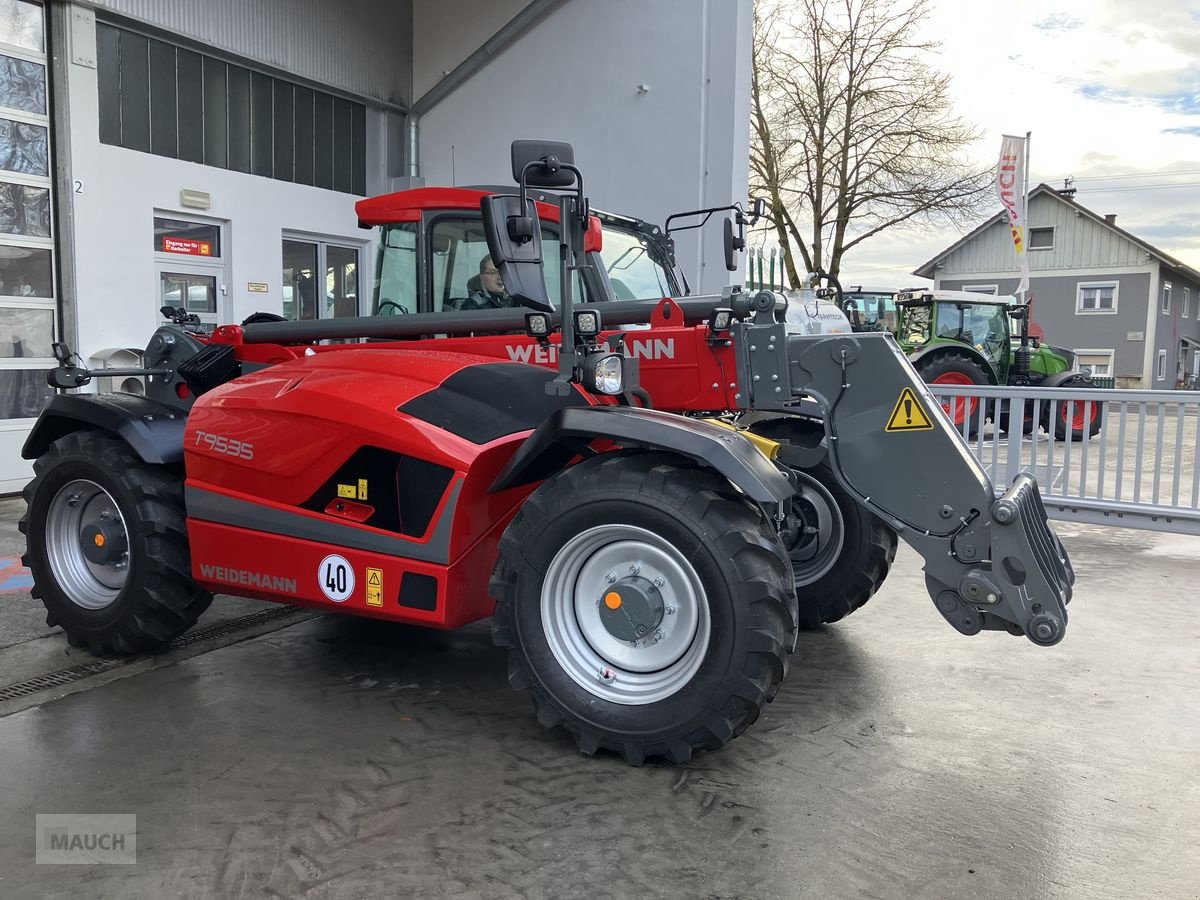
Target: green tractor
x,y
961,338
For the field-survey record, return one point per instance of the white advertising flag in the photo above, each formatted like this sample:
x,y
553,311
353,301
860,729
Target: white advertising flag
x,y
1010,187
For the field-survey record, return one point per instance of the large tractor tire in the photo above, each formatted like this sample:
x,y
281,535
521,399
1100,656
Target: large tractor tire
x,y
840,552
647,605
107,546
1073,418
952,368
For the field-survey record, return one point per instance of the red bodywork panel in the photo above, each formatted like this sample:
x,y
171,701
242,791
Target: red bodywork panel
x,y
260,453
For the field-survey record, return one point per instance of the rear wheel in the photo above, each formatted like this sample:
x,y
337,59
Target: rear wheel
x,y
840,552
955,369
647,605
107,546
1074,418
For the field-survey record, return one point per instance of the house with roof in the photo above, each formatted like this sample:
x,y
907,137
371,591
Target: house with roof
x,y
1129,310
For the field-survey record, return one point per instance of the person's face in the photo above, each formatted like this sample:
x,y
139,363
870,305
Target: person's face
x,y
489,277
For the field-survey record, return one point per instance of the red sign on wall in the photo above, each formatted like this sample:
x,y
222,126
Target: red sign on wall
x,y
188,247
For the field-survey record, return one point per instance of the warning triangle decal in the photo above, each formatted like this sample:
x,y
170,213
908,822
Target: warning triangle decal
x,y
373,577
909,415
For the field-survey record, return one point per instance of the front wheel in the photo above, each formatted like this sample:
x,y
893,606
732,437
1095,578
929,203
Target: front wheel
x,y
840,552
647,605
107,546
959,370
1074,418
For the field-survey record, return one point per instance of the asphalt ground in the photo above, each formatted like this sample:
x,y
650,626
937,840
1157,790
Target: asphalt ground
x,y
325,756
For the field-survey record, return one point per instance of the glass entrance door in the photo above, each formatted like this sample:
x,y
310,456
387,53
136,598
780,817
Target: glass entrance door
x,y
320,279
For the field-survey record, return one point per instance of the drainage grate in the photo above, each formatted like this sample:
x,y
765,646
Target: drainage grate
x,y
87,670
235,625
59,678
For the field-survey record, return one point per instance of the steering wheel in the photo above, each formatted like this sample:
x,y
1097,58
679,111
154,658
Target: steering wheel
x,y
400,309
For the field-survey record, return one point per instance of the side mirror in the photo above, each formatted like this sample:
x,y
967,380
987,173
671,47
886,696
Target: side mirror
x,y
732,245
519,258
552,155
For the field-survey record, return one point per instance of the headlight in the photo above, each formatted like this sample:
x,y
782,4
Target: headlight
x,y
537,325
604,373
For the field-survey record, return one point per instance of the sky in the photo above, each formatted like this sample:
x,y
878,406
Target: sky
x,y
1107,88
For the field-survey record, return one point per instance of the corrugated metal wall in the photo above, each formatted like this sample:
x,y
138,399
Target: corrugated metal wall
x,y
1079,243
361,46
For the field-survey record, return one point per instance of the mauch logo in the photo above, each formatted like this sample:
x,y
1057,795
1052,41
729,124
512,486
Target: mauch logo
x,y
547,354
86,840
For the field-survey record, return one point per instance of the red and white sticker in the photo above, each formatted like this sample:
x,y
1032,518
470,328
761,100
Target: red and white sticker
x,y
335,575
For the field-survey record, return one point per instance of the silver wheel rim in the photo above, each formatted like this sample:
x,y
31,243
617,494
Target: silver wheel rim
x,y
817,547
87,584
629,673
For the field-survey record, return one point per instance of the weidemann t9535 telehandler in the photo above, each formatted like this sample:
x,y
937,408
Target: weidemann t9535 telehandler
x,y
633,560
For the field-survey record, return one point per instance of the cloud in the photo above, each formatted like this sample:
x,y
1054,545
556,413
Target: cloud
x,y
1193,130
1058,22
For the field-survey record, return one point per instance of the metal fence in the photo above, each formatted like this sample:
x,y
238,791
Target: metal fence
x,y
1138,470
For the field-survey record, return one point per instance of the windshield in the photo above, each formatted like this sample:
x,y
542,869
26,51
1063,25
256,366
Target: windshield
x,y
634,267
982,326
875,310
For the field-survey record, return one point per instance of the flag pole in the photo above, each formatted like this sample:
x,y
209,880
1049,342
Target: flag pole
x,y
1028,135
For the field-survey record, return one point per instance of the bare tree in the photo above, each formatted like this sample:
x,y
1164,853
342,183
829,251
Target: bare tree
x,y
852,131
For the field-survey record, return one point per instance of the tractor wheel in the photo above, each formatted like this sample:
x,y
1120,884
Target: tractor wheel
x,y
107,546
1001,417
1072,417
955,369
647,605
840,552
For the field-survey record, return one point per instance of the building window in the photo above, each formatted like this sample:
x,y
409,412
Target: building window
x,y
315,269
1041,238
174,102
1096,297
1187,301
27,284
1160,372
991,289
1095,362
1166,298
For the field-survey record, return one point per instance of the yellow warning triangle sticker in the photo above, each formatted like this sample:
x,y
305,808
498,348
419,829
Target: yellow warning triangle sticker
x,y
909,415
373,577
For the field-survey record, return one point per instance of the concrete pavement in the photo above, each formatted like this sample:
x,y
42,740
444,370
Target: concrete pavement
x,y
337,757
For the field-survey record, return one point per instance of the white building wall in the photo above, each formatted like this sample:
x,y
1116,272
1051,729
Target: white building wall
x,y
318,40
119,193
682,144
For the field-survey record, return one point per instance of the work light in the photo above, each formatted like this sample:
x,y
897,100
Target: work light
x,y
604,373
537,325
587,323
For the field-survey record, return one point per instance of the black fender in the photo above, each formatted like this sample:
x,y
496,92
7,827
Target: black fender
x,y
1058,379
154,431
568,431
964,350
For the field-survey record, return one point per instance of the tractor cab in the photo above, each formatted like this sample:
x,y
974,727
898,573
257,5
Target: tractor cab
x,y
926,319
870,309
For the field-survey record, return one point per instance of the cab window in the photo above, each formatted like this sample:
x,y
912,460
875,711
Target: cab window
x,y
459,277
632,268
396,271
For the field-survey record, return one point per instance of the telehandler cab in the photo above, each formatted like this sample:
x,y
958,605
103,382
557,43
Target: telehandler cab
x,y
633,560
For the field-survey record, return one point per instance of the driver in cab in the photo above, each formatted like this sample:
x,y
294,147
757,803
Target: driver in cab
x,y
491,293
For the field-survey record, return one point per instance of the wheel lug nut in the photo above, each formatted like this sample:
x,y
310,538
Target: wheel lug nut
x,y
607,676
659,581
669,610
635,569
659,634
611,577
